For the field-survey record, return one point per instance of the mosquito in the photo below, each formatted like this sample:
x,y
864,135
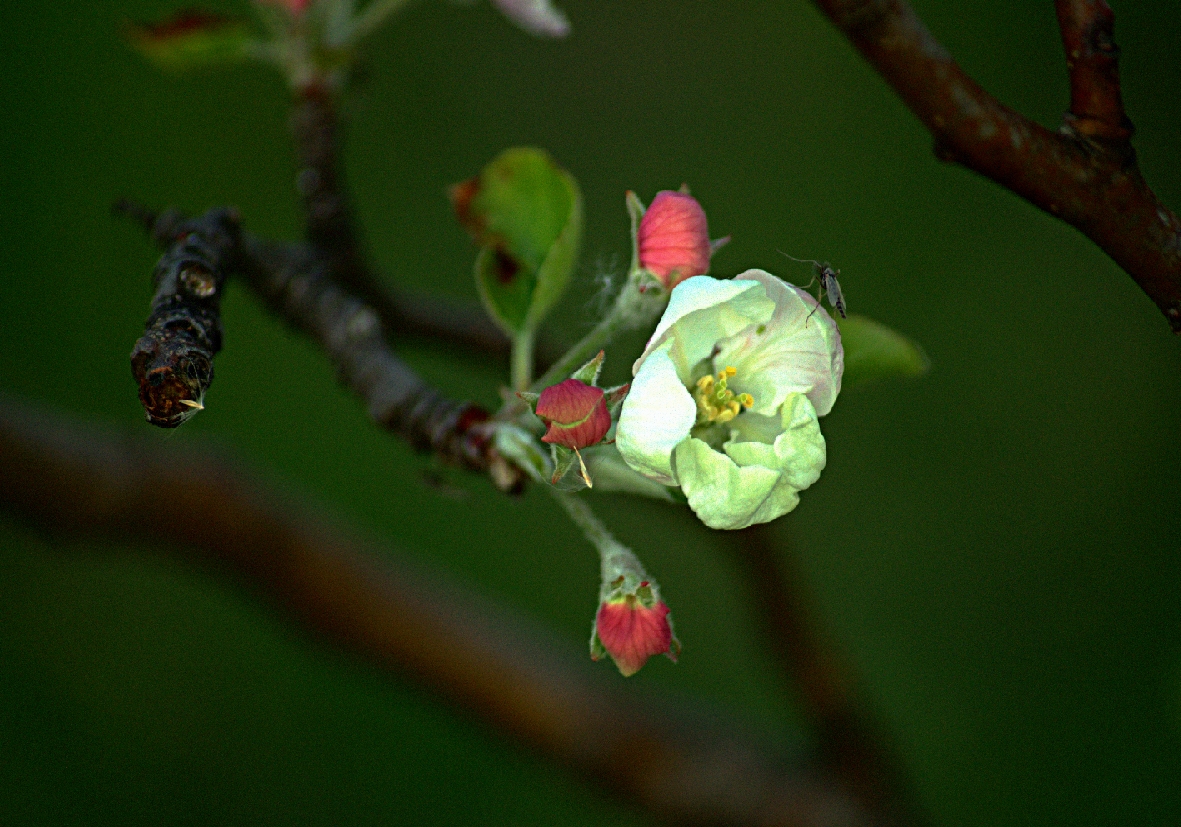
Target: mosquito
x,y
823,273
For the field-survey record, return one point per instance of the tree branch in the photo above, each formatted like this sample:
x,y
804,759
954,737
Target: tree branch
x,y
1085,174
850,745
682,765
331,228
173,361
291,279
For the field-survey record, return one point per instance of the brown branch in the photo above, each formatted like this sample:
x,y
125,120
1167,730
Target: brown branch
x,y
850,745
681,764
292,280
1085,174
1092,58
173,361
332,229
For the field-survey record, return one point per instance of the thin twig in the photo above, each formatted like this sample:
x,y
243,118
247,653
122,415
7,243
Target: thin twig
x,y
682,764
1085,174
292,280
173,360
332,228
850,745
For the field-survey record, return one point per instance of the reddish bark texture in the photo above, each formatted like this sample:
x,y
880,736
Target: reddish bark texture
x,y
1084,174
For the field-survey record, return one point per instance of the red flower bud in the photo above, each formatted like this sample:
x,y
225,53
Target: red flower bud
x,y
631,633
673,238
575,412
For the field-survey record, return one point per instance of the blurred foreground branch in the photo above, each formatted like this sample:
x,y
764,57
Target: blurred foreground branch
x,y
850,744
1085,173
683,765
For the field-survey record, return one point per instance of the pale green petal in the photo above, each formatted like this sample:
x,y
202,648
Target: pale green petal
x,y
725,495
798,452
703,310
797,351
657,414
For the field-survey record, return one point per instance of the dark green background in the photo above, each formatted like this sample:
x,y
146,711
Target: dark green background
x,y
995,547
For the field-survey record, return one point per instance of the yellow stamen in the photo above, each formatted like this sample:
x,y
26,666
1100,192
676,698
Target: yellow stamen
x,y
716,402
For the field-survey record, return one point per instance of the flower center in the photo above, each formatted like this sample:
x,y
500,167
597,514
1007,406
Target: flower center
x,y
716,402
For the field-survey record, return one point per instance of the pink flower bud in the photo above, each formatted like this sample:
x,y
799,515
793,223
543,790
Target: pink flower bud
x,y
673,238
575,412
631,632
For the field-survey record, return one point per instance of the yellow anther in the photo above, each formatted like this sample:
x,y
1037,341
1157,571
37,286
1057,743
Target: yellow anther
x,y
716,402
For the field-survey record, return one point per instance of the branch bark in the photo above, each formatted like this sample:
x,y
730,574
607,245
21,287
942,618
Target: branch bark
x,y
293,280
1085,174
681,764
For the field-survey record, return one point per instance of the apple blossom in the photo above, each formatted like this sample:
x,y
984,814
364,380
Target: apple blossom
x,y
727,395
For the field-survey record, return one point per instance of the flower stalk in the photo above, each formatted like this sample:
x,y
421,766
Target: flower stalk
x,y
632,622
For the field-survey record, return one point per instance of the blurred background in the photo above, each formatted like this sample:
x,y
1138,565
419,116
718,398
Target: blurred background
x,y
994,547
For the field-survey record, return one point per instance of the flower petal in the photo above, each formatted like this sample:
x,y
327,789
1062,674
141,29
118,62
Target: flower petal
x,y
797,351
539,17
673,238
798,452
657,414
733,305
632,633
726,495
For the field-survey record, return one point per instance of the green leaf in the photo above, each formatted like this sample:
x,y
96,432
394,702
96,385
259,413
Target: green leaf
x,y
526,213
874,351
191,38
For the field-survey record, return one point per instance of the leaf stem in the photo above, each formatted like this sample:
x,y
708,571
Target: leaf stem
x,y
521,366
633,308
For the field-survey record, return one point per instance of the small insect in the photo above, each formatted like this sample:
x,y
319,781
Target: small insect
x,y
823,273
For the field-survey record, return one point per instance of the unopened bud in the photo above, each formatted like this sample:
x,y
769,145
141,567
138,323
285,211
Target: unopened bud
x,y
576,414
673,238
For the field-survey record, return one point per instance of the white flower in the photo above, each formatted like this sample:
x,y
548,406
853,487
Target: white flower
x,y
727,393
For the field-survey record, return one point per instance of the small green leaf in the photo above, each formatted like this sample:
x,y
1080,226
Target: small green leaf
x,y
874,351
526,213
191,38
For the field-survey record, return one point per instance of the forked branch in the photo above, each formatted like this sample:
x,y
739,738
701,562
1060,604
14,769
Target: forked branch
x,y
1085,173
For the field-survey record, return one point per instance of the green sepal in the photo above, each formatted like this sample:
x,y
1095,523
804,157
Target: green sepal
x,y
614,398
588,374
597,650
526,212
610,473
874,351
566,476
635,209
529,398
190,39
523,450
